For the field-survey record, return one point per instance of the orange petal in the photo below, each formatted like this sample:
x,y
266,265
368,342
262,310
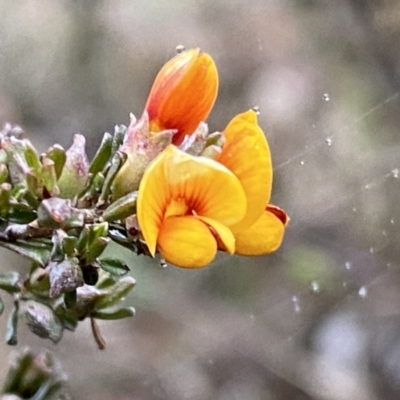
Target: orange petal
x,y
177,183
263,237
224,236
186,242
246,154
183,93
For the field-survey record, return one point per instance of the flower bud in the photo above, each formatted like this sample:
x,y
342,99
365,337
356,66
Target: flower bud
x,y
74,175
183,94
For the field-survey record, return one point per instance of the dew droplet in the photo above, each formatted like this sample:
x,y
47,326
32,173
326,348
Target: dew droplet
x,y
180,48
371,250
347,265
326,97
392,221
296,305
354,209
302,162
328,141
256,109
384,233
395,173
163,263
362,292
315,288
367,186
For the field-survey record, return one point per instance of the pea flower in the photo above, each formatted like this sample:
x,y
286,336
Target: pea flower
x,y
181,97
183,94
191,206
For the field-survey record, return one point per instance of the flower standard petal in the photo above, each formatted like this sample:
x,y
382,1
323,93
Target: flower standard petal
x,y
177,183
208,188
246,154
186,242
262,237
183,93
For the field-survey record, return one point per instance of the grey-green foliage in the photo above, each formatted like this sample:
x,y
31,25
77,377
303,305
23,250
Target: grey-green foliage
x,y
57,212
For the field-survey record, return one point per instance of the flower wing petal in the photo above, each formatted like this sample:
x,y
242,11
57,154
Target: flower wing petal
x,y
186,242
262,237
247,155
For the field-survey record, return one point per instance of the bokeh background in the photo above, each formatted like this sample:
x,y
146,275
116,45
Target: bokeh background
x,y
320,318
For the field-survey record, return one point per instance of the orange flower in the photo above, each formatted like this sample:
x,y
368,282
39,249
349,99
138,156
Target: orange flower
x,y
189,207
183,94
186,205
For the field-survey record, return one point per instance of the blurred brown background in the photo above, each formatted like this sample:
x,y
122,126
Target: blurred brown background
x,y
320,318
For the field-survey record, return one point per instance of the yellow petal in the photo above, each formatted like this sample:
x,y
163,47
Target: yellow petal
x,y
263,237
177,183
246,154
183,93
186,242
224,236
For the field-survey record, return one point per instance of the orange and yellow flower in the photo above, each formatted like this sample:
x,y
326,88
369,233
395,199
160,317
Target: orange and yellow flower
x,y
189,207
183,94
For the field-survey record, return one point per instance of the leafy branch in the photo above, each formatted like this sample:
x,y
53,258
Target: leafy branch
x,y
57,211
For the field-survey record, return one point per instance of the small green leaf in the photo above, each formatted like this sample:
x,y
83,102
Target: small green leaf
x,y
64,276
56,212
1,306
74,176
83,240
102,155
70,299
96,231
98,182
11,328
5,193
49,176
57,154
39,280
105,281
114,266
115,293
68,245
118,314
32,158
96,248
39,253
18,191
41,320
119,135
3,173
10,282
116,163
21,214
122,208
